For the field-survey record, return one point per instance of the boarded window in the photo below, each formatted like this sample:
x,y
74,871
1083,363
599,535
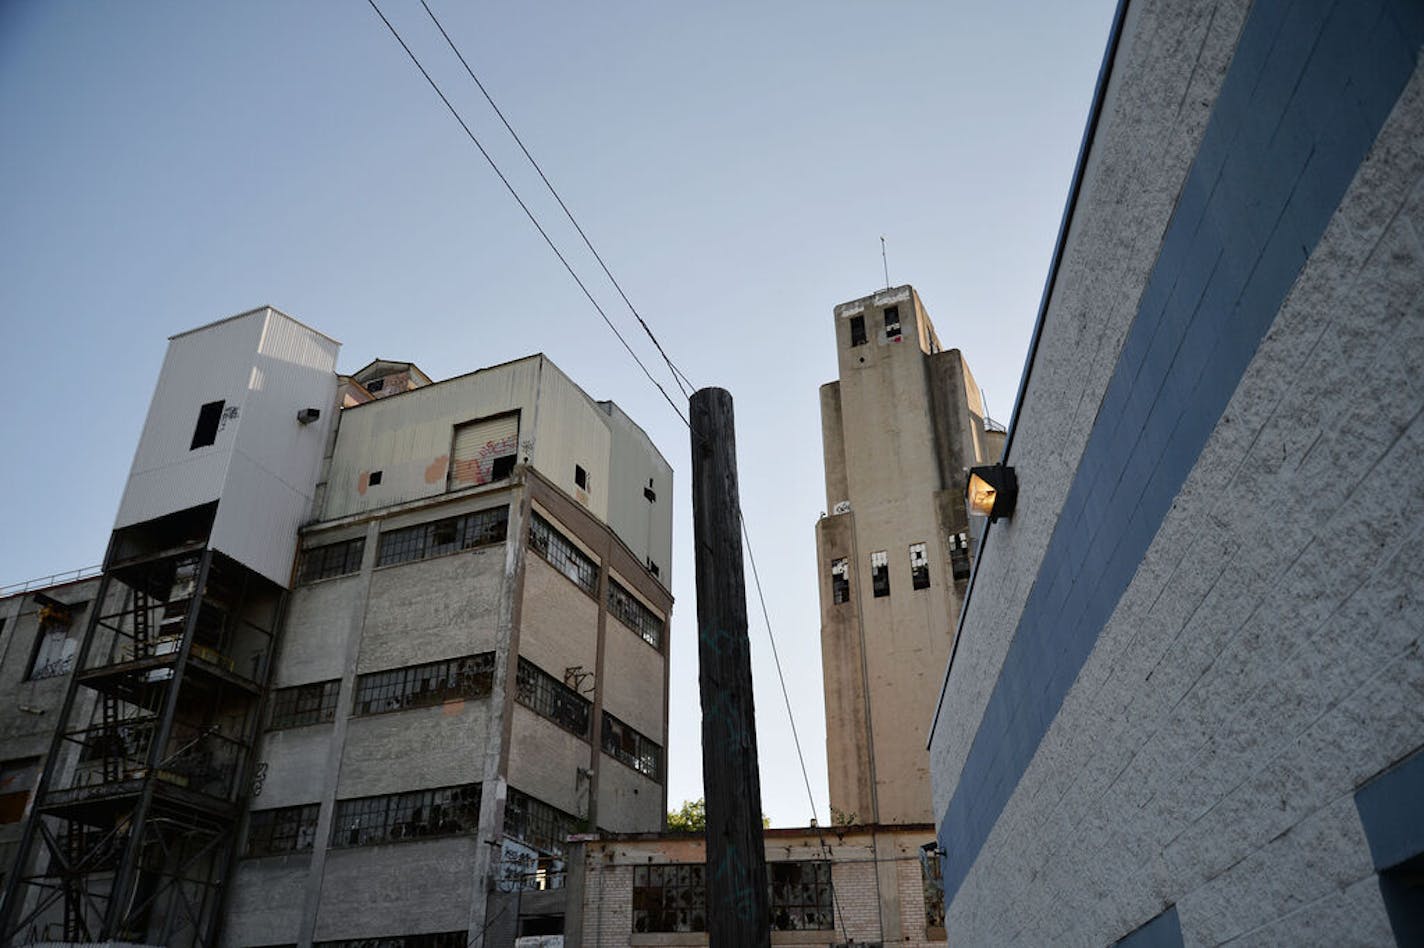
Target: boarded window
x,y
892,322
880,573
857,330
580,477
206,430
17,781
291,829
840,581
532,821
919,566
484,451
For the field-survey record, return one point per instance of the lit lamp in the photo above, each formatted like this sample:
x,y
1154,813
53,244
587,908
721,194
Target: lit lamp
x,y
992,491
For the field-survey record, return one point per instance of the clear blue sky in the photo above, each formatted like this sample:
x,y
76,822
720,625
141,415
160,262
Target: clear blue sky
x,y
165,164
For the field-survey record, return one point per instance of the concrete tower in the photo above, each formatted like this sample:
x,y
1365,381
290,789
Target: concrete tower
x,y
900,429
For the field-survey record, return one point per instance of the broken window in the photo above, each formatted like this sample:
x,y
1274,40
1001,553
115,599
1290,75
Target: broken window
x,y
626,608
291,829
580,477
880,573
419,686
670,898
443,536
800,896
550,698
444,812
840,581
333,559
932,880
532,821
58,640
375,385
206,431
857,330
17,780
305,704
959,555
561,553
483,451
624,744
919,566
892,322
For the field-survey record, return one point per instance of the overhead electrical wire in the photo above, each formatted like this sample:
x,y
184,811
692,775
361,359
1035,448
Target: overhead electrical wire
x,y
524,207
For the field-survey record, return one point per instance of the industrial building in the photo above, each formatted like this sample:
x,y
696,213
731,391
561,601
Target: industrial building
x,y
364,651
1186,701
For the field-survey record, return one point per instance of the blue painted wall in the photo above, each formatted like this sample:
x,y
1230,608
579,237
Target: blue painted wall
x,y
1307,92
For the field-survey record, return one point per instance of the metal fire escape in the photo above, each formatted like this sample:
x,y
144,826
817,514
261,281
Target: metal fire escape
x,y
131,833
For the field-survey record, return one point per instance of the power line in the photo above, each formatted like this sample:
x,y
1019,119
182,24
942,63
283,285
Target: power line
x,y
677,374
524,207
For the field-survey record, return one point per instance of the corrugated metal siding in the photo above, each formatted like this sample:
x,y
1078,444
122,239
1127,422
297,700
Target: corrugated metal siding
x,y
645,526
476,446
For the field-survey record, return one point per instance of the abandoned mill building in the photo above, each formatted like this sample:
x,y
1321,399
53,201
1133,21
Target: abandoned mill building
x,y
364,651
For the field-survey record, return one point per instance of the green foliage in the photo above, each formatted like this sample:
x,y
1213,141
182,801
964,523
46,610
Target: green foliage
x,y
691,817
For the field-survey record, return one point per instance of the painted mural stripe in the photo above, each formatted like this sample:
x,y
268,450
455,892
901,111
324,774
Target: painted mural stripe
x,y
1310,86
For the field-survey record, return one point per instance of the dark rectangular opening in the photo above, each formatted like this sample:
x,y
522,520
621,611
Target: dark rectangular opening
x,y
580,477
374,479
206,431
857,330
880,574
502,467
840,581
892,322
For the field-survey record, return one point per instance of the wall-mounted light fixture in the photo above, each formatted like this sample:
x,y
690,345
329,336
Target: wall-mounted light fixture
x,y
992,491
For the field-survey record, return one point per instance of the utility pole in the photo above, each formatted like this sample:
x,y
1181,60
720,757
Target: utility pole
x,y
737,912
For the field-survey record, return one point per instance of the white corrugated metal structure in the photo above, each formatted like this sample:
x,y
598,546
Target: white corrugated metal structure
x,y
259,463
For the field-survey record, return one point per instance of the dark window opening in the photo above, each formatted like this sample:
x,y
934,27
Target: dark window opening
x,y
550,698
419,686
502,467
437,940
206,431
857,330
880,573
892,322
580,477
541,925
626,608
959,556
919,566
561,553
1402,888
628,746
291,829
648,493
374,479
652,567
840,581
17,779
673,897
375,385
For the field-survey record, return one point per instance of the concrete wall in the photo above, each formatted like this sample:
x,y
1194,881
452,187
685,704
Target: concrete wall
x,y
1199,634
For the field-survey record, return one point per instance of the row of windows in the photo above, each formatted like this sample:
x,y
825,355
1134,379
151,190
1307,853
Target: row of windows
x,y
418,686
333,559
880,569
438,537
892,326
561,553
623,743
548,697
436,940
443,812
536,823
627,609
673,898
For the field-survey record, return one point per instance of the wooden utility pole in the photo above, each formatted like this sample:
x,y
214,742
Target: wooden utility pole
x,y
737,913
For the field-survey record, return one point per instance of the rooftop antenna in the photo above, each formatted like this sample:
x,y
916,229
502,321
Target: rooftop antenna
x,y
884,262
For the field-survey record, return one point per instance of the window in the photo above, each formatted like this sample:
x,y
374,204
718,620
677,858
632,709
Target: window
x,y
670,898
17,781
419,686
206,430
548,697
304,704
375,478
369,820
649,494
840,581
892,322
959,556
857,330
58,639
580,478
375,385
880,573
291,829
537,823
483,451
437,940
919,566
334,559
626,609
932,881
439,537
800,896
624,744
561,553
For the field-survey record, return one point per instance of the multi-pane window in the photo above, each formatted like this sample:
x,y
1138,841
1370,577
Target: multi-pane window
x,y
305,704
670,898
880,573
548,697
623,743
892,322
959,555
626,608
437,940
418,686
334,559
443,536
444,812
840,581
800,896
919,566
291,829
857,330
561,553
536,823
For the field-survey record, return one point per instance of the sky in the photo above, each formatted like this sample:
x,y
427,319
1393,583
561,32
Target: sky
x,y
166,164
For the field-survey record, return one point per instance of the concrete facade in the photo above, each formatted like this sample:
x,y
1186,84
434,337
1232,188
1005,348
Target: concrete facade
x,y
900,430
1184,706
